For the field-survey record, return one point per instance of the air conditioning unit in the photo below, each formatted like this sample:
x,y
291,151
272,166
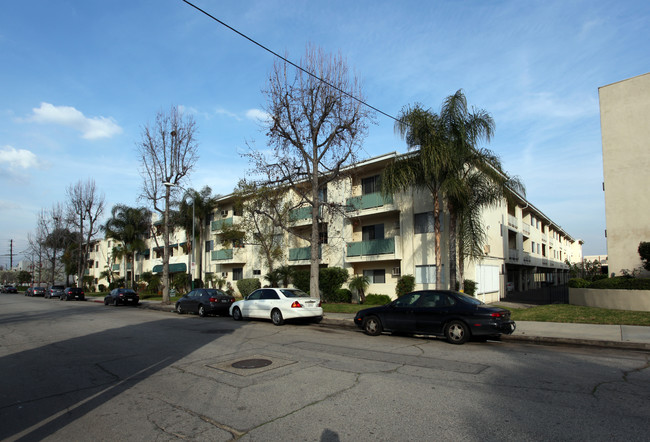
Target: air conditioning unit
x,y
224,274
396,271
224,213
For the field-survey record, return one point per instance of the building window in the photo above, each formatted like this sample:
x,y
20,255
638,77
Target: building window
x,y
376,231
209,246
426,274
322,237
532,246
257,272
371,184
237,273
377,276
424,223
96,264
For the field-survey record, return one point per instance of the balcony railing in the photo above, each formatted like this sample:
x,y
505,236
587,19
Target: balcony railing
x,y
302,213
526,228
513,254
367,201
302,253
372,247
218,224
512,221
221,255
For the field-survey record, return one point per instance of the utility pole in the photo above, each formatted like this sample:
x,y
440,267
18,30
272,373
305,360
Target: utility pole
x,y
11,254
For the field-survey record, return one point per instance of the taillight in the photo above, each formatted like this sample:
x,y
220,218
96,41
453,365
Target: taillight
x,y
214,300
320,304
296,304
496,315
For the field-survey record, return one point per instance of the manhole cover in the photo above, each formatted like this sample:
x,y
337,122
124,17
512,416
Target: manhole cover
x,y
251,363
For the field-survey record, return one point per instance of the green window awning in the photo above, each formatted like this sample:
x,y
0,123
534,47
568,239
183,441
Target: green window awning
x,y
173,268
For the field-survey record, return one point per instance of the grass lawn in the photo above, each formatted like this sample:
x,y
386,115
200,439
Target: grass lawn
x,y
579,315
545,313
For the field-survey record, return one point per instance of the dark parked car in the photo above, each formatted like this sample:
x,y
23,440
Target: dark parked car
x,y
55,291
122,296
9,289
454,315
72,294
36,291
205,302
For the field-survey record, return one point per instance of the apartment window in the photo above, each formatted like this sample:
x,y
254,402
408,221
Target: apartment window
x,y
532,246
237,273
322,237
371,184
209,245
423,222
97,248
426,274
257,272
369,233
322,194
377,276
96,264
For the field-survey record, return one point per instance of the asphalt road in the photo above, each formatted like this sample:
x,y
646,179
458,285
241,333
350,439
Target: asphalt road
x,y
84,371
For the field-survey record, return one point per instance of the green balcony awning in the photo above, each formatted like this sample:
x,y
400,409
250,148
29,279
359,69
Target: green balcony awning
x,y
173,268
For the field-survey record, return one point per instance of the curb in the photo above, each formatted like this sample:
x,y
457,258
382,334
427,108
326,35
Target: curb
x,y
539,340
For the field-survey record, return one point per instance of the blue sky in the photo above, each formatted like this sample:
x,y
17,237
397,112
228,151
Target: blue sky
x,y
79,79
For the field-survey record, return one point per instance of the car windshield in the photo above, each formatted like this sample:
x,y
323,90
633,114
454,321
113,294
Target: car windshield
x,y
468,299
294,293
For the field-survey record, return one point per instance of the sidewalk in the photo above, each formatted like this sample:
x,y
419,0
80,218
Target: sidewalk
x,y
628,337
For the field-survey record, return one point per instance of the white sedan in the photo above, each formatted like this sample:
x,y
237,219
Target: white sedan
x,y
278,305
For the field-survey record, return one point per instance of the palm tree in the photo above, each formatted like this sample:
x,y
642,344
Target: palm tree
x,y
426,167
285,273
128,226
273,278
359,283
202,204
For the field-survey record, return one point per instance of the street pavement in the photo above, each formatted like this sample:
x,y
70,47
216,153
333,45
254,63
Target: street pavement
x,y
629,337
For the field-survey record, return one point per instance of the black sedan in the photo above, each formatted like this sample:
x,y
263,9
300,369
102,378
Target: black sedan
x,y
205,302
122,296
72,294
454,315
9,289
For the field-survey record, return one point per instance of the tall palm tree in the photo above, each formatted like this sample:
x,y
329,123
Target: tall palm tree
x,y
202,204
128,226
426,167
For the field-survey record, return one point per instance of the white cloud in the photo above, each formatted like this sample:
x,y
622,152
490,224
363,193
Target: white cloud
x,y
257,115
90,128
17,158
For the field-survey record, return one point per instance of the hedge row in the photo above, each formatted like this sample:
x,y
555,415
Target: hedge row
x,y
618,282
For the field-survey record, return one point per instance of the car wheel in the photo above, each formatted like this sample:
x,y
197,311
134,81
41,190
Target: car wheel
x,y
276,317
372,326
115,302
202,312
236,314
105,301
457,332
179,309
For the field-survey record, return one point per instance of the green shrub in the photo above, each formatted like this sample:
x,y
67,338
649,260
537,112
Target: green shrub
x,y
248,285
579,283
377,299
470,287
405,284
301,280
621,282
339,296
331,279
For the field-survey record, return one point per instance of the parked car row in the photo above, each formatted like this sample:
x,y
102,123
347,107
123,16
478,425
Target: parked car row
x,y
453,315
57,291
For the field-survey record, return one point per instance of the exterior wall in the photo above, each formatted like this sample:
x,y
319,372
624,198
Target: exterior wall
x,y
624,110
635,300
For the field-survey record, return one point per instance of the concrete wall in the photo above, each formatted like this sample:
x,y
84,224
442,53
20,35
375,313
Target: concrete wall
x,y
635,300
624,110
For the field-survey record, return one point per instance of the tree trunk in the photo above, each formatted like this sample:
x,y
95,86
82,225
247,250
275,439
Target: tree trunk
x,y
165,281
436,229
453,258
314,291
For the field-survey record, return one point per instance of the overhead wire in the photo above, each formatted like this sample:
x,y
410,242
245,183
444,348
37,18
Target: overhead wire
x,y
289,61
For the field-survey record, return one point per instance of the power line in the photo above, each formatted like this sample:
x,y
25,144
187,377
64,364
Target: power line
x,y
289,61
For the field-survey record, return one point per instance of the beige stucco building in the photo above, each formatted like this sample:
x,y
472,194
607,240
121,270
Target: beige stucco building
x,y
625,127
380,237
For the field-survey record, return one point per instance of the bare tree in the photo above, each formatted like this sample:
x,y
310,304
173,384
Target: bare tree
x,y
49,242
316,125
84,207
168,152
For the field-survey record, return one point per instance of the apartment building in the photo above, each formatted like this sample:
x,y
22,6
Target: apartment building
x,y
625,131
384,237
